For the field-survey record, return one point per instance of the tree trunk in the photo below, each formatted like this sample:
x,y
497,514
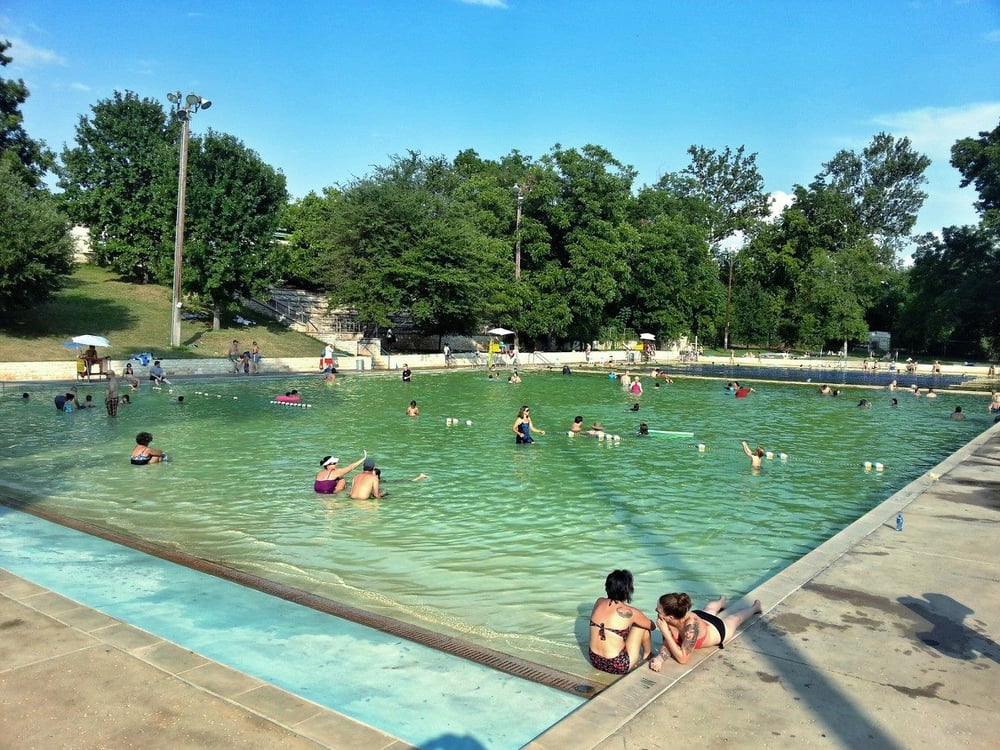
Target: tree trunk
x,y
216,318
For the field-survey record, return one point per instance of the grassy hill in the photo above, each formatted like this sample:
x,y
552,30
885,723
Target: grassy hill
x,y
134,318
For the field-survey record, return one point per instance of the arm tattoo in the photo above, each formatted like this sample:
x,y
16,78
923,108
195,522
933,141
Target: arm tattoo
x,y
690,637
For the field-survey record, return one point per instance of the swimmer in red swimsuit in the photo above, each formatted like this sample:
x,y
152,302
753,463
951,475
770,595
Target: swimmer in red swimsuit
x,y
685,629
619,633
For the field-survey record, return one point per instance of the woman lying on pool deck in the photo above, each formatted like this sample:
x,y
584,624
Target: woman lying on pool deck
x,y
685,629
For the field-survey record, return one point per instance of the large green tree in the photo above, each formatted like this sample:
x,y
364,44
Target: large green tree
x,y
583,198
120,181
831,257
313,226
234,200
31,157
818,262
675,287
952,303
730,187
884,183
978,159
36,252
723,192
410,247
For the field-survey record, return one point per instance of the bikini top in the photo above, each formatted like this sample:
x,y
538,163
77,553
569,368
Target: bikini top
x,y
621,633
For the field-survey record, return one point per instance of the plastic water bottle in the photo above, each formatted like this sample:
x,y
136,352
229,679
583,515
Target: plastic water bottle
x,y
899,522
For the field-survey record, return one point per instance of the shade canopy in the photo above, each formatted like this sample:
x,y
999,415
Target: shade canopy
x,y
647,337
500,332
89,339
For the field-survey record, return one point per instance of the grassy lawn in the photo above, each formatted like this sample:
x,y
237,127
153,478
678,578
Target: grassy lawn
x,y
134,318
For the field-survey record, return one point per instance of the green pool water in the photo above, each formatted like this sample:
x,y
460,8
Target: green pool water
x,y
504,545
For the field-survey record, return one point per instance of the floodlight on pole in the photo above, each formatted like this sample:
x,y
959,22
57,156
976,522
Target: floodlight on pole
x,y
191,104
517,231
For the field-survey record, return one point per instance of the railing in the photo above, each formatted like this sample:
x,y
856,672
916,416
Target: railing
x,y
538,356
283,310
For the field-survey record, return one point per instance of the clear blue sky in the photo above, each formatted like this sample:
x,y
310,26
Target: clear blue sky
x,y
325,89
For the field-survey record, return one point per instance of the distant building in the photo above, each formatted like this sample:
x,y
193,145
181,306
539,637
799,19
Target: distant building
x,y
881,340
82,250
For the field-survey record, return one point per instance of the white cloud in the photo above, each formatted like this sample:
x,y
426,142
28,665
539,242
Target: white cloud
x,y
934,130
27,55
79,87
780,200
487,3
992,36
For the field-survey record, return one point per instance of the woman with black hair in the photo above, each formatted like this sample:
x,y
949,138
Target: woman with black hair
x,y
619,633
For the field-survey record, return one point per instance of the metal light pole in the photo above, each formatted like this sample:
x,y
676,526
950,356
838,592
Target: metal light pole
x,y
517,232
729,298
183,109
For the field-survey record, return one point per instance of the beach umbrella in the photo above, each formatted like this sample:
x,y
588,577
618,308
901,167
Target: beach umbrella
x,y
647,337
89,339
500,332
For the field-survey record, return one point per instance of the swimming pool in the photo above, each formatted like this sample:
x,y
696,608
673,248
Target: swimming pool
x,y
505,546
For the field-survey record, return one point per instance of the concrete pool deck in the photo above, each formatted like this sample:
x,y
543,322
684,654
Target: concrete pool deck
x,y
876,639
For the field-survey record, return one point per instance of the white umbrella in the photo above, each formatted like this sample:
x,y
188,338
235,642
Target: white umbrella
x,y
89,339
647,337
500,332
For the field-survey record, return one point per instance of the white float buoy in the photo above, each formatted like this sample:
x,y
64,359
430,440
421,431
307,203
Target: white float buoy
x,y
468,423
879,467
868,465
701,447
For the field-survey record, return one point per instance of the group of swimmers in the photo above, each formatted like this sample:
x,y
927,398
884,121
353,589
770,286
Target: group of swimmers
x,y
331,478
621,635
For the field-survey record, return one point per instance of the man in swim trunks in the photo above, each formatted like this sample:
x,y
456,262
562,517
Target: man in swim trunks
x,y
235,356
111,396
684,629
364,486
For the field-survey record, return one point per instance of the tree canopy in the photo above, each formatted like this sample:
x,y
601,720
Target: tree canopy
x,y
564,248
32,157
36,251
120,179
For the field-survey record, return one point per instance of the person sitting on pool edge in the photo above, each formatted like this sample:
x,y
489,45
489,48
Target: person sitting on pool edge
x,y
142,454
364,486
330,479
619,633
685,629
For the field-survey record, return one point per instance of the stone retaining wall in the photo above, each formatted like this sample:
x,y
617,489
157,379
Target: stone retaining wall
x,y
66,370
